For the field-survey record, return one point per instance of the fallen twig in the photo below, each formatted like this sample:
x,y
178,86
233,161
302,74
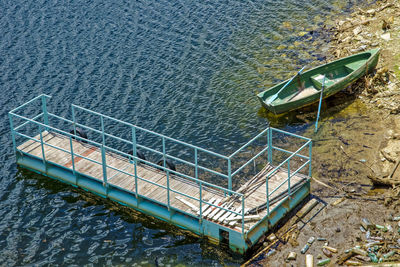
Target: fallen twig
x,y
395,168
364,22
324,184
356,159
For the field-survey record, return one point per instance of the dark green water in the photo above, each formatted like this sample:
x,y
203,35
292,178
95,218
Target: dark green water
x,y
187,69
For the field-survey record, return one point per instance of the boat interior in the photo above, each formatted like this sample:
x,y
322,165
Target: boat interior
x,y
302,88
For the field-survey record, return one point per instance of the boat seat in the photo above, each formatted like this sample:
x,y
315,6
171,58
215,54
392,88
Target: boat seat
x,y
352,66
318,79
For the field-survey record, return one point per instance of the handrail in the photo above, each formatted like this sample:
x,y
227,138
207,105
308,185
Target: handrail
x,y
174,172
56,129
27,122
184,143
141,146
109,148
289,152
291,156
299,169
154,133
291,134
248,162
249,142
56,147
29,102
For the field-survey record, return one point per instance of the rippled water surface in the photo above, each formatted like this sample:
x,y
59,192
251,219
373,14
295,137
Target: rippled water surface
x,y
188,69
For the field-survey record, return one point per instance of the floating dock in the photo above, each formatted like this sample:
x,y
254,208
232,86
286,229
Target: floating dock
x,y
57,147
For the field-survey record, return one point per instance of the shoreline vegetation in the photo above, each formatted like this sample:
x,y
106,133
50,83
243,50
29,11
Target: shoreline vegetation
x,y
354,221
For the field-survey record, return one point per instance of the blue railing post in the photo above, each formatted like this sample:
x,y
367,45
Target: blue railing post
x,y
243,214
136,179
44,110
163,151
134,141
104,164
12,132
269,138
196,169
73,118
135,160
288,173
72,155
254,162
168,196
229,174
267,193
201,201
41,144
102,130
310,155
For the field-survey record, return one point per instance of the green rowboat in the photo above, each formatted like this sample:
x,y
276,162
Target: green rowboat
x,y
305,89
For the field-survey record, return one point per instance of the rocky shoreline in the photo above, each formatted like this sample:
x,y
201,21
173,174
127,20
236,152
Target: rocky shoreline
x,y
375,155
377,27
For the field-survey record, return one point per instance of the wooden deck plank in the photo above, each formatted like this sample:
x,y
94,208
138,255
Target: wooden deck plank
x,y
187,203
160,193
128,182
32,144
89,168
188,190
28,145
206,206
122,181
36,148
146,188
227,214
219,212
222,212
212,208
226,221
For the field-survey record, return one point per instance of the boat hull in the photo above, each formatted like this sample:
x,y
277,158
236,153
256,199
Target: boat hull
x,y
305,89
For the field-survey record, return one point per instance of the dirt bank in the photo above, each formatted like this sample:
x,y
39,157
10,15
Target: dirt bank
x,y
360,141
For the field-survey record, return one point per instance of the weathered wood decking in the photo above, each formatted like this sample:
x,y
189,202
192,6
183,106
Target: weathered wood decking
x,y
154,192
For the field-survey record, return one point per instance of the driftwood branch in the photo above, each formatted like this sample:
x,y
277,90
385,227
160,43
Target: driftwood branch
x,y
364,22
384,181
385,6
388,157
324,184
373,11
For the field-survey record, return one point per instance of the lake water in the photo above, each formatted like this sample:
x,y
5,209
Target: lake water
x,y
187,69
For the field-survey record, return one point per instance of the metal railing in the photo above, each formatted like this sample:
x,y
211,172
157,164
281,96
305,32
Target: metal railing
x,y
104,148
308,144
